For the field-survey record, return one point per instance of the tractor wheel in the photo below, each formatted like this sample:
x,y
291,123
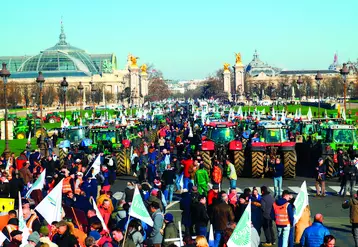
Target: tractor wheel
x,y
257,161
21,135
52,120
330,166
207,160
290,160
244,142
239,162
40,131
123,162
62,157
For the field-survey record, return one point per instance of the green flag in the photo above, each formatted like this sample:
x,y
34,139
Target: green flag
x,y
241,237
138,210
301,202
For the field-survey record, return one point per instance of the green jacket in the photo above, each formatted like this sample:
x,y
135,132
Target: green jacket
x,y
201,178
170,231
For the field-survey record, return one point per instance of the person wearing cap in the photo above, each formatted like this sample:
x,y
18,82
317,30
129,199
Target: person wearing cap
x,y
350,173
44,236
78,183
321,170
63,237
12,225
202,180
313,236
33,239
282,214
155,237
16,238
352,204
170,230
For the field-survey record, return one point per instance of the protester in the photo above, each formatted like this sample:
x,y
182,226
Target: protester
x,y
313,236
352,204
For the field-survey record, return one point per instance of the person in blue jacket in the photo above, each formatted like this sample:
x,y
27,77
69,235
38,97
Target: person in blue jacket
x,y
313,236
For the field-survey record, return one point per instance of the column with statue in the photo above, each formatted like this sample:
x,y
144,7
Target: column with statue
x,y
227,81
143,82
134,81
239,77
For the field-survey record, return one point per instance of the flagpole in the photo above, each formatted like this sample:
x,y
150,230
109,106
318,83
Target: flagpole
x,y
126,233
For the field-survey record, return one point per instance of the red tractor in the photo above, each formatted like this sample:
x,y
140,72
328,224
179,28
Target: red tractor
x,y
220,142
270,142
52,117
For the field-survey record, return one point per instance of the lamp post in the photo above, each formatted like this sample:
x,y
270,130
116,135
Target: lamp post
x,y
41,80
319,78
285,88
64,86
93,91
80,89
4,74
344,72
350,90
299,83
33,95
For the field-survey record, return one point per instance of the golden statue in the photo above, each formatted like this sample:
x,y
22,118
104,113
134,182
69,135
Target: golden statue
x,y
143,68
226,67
238,58
134,61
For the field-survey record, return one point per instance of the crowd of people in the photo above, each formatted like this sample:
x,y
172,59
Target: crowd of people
x,y
170,168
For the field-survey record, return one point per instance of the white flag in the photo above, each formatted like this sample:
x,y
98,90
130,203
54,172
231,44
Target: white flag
x,y
66,123
301,202
211,236
98,213
96,166
3,238
38,185
241,237
309,114
138,210
22,224
51,206
181,182
29,138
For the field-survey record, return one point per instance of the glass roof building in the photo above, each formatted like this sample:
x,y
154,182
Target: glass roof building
x,y
60,60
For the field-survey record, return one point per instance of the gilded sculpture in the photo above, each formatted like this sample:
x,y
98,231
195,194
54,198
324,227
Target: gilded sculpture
x,y
226,67
143,68
134,61
238,58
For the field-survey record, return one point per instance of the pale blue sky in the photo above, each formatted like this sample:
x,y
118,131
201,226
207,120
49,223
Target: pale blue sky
x,y
188,39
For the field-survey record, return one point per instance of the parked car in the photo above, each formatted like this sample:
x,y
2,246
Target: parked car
x,y
88,108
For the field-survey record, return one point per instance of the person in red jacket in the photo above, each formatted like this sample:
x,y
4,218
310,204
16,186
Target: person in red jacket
x,y
213,194
186,164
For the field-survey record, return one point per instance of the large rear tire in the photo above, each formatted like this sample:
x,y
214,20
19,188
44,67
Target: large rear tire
x,y
40,131
239,162
123,162
206,160
21,135
62,157
257,161
331,170
290,160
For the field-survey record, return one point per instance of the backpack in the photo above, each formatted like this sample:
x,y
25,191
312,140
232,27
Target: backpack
x,y
100,178
217,174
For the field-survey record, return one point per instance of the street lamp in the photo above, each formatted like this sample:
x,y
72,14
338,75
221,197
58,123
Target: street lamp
x,y
4,74
64,86
350,90
80,89
285,88
299,83
93,91
41,80
344,72
319,78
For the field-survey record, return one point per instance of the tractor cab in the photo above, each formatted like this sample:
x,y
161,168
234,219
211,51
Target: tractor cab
x,y
341,136
272,132
75,134
104,138
221,132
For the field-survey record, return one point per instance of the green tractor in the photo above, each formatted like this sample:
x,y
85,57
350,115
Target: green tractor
x,y
12,117
21,129
336,137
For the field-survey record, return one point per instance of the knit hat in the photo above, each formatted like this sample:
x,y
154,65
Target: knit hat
x,y
44,230
34,237
95,235
231,196
215,186
168,217
13,221
15,232
154,192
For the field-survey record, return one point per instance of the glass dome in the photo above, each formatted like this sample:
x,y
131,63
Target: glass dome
x,y
61,57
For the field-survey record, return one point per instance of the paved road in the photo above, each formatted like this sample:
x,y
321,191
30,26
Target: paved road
x,y
336,218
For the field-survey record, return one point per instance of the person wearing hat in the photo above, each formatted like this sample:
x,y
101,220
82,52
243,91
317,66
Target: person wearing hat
x,y
282,214
321,170
63,237
44,236
33,239
12,225
170,229
16,238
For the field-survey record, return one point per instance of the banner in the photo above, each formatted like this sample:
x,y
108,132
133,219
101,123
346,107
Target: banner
x,y
241,237
301,202
98,213
138,210
51,206
96,166
38,185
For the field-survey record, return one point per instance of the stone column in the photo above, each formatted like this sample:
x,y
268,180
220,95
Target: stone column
x,y
239,80
227,86
134,84
144,84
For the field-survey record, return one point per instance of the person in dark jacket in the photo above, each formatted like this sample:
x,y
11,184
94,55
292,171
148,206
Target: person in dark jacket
x,y
170,230
151,172
201,217
49,165
169,178
185,206
313,236
282,213
16,238
266,207
16,184
350,174
63,237
221,215
321,170
4,186
277,171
